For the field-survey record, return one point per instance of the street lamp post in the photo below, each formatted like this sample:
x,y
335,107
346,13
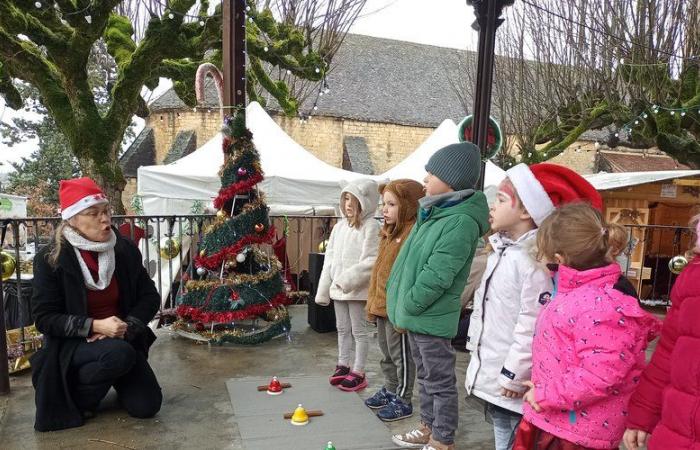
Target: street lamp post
x,y
488,19
234,54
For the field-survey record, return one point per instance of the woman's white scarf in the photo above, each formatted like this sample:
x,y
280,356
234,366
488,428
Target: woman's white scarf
x,y
105,257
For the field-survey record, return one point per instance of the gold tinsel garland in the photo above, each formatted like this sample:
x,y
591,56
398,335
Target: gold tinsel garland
x,y
275,317
221,220
241,278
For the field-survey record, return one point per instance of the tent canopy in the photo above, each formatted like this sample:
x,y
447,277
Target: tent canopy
x,y
296,182
413,166
607,181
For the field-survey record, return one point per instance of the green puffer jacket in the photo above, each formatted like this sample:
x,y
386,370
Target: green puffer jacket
x,y
429,274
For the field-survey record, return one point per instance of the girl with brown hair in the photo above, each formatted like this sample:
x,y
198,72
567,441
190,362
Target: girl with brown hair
x,y
393,400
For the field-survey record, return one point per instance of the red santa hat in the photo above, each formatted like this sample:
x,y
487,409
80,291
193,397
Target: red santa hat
x,y
543,187
77,195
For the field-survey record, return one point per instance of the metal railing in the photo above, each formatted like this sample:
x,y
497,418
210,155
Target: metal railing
x,y
645,261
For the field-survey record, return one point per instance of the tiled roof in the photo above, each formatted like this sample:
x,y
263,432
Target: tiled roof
x,y
141,152
185,143
379,80
357,153
637,162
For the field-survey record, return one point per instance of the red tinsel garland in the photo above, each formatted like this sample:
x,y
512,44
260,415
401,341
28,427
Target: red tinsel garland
x,y
196,314
226,194
214,261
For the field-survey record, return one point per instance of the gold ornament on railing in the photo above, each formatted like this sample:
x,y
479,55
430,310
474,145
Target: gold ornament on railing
x,y
677,264
8,265
322,246
169,248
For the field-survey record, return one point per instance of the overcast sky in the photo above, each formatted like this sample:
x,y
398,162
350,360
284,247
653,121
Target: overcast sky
x,y
407,20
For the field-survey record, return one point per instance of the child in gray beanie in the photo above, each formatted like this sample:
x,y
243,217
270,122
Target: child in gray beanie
x,y
427,280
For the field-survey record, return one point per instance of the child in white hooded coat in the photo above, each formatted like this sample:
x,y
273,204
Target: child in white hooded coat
x,y
347,267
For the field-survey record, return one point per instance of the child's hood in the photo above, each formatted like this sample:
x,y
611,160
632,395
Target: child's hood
x,y
367,193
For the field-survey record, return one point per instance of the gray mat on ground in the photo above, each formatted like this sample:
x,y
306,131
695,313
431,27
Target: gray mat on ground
x,y
347,422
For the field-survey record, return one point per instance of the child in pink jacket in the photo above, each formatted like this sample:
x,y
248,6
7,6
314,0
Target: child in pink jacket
x,y
588,349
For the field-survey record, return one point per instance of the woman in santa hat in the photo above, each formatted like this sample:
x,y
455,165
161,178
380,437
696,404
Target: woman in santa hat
x,y
92,300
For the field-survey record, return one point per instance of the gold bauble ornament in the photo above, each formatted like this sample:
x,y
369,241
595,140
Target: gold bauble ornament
x,y
677,264
322,246
202,253
8,264
221,213
169,248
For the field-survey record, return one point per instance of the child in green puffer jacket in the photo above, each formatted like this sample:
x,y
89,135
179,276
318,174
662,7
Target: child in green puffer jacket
x,y
426,281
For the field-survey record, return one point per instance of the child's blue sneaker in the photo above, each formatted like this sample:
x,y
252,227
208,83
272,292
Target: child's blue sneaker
x,y
380,399
396,409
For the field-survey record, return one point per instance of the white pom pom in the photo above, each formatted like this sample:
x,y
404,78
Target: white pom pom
x,y
240,257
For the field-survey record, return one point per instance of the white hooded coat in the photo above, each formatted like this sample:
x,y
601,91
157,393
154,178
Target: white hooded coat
x,y
512,293
351,252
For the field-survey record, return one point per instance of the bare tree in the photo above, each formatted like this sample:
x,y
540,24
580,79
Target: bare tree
x,y
568,66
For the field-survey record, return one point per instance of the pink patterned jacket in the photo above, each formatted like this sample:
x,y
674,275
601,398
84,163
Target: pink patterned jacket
x,y
587,357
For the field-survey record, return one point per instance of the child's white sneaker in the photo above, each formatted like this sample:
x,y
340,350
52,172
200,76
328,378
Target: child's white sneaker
x,y
416,438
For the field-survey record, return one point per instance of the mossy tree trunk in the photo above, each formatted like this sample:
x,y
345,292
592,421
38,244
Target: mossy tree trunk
x,y
47,44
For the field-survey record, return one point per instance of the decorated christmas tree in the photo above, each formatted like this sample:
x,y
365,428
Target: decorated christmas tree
x,y
237,295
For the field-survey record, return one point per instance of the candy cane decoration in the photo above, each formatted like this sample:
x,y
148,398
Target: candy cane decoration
x,y
202,71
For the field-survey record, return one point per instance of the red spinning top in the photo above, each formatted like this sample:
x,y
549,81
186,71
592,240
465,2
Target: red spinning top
x,y
275,387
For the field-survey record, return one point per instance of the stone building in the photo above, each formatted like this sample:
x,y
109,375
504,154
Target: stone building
x,y
385,98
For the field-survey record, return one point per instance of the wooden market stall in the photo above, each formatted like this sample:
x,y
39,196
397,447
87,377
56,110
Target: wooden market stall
x,y
656,206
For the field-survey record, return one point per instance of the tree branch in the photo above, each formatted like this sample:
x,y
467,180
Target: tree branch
x,y
22,60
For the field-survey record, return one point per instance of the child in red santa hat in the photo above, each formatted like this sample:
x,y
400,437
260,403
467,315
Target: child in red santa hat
x,y
517,287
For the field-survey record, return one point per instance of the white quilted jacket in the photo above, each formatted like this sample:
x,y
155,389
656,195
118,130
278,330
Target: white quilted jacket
x,y
503,322
351,252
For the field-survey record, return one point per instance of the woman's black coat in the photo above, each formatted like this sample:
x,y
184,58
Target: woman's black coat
x,y
59,307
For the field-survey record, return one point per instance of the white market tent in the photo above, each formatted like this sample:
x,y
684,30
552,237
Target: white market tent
x,y
606,181
296,182
413,166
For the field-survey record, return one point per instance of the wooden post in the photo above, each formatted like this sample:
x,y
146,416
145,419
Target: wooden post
x,y
234,54
487,14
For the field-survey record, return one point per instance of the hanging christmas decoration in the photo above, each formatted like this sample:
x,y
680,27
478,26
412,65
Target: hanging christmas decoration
x,y
494,138
677,264
169,248
8,265
242,171
322,246
259,228
221,213
240,257
201,271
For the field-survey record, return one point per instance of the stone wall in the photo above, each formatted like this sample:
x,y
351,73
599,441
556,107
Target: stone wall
x,y
128,194
166,125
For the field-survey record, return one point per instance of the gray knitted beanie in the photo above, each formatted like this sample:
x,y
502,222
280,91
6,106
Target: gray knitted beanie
x,y
458,165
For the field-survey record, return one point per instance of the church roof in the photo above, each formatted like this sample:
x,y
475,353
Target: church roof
x,y
378,80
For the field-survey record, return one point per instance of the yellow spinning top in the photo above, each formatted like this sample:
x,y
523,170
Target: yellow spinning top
x,y
300,417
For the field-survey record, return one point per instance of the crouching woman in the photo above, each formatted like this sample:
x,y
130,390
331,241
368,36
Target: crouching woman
x,y
92,299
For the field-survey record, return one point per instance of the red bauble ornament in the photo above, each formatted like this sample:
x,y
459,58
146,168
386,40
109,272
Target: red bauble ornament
x,y
259,228
199,326
275,387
